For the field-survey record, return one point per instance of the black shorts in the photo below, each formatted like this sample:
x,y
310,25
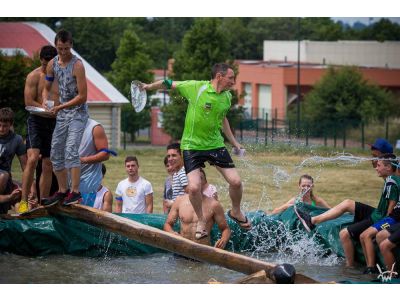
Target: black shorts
x,y
362,211
394,231
362,220
39,134
195,159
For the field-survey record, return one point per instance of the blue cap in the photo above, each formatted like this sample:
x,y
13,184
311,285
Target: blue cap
x,y
382,145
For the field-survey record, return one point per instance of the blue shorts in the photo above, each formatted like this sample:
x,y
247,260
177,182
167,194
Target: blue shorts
x,y
384,223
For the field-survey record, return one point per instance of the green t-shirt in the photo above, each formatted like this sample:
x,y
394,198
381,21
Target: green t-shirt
x,y
205,114
390,192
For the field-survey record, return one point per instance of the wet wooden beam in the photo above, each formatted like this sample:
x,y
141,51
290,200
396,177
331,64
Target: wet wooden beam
x,y
171,242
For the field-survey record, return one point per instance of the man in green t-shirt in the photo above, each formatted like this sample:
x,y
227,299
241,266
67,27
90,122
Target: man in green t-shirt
x,y
364,214
209,102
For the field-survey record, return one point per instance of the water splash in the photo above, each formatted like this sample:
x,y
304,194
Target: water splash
x,y
276,241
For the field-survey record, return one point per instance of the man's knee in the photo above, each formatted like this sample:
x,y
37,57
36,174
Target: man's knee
x,y
235,183
4,176
194,189
348,203
344,235
364,237
386,246
32,160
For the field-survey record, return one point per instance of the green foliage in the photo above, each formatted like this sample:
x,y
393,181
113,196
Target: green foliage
x,y
13,71
95,39
342,94
202,46
383,30
132,63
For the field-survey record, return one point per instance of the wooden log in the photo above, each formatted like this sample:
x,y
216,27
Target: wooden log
x,y
37,213
161,239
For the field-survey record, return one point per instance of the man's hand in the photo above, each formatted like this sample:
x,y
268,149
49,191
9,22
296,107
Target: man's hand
x,y
239,150
143,86
33,201
221,243
56,109
15,195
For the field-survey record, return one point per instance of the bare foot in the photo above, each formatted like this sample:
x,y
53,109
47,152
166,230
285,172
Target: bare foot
x,y
201,231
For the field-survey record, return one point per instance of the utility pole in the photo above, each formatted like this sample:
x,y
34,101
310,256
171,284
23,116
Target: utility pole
x,y
298,78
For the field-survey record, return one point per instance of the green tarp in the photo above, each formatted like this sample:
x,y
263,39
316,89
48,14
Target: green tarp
x,y
64,235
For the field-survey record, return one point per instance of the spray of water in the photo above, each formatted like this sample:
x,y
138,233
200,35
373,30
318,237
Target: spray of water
x,y
276,241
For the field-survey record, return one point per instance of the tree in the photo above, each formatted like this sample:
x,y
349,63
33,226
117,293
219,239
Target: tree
x,y
343,95
203,45
95,39
132,62
383,30
13,71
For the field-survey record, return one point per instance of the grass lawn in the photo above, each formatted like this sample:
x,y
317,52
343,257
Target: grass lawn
x,y
270,176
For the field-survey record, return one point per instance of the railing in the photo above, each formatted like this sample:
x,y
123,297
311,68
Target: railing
x,y
339,134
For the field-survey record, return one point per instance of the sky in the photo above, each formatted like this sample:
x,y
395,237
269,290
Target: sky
x,y
210,8
364,20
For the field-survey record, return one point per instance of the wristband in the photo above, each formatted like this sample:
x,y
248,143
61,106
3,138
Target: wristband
x,y
49,78
113,153
167,83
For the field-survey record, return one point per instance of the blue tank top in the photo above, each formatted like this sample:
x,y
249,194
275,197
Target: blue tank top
x,y
91,175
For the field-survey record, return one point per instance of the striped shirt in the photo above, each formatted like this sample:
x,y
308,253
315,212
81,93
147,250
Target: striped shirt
x,y
179,182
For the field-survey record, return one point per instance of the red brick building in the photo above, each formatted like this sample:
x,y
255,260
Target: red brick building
x,y
270,86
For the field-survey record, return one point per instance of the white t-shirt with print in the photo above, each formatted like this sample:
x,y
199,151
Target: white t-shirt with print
x,y
133,195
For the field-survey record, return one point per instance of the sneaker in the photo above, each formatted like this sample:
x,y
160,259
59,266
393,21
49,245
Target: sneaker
x,y
371,270
23,207
304,218
72,198
50,201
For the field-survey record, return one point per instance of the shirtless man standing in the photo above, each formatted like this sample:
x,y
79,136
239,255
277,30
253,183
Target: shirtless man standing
x,y
39,132
212,212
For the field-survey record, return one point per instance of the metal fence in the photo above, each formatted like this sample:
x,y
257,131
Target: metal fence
x,y
339,134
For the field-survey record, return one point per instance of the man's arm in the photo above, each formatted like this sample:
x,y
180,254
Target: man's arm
x,y
392,204
100,142
172,217
31,92
229,135
48,83
108,201
219,218
283,207
157,85
149,203
79,73
118,206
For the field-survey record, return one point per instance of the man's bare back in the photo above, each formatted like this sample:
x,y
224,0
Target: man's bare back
x,y
213,213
